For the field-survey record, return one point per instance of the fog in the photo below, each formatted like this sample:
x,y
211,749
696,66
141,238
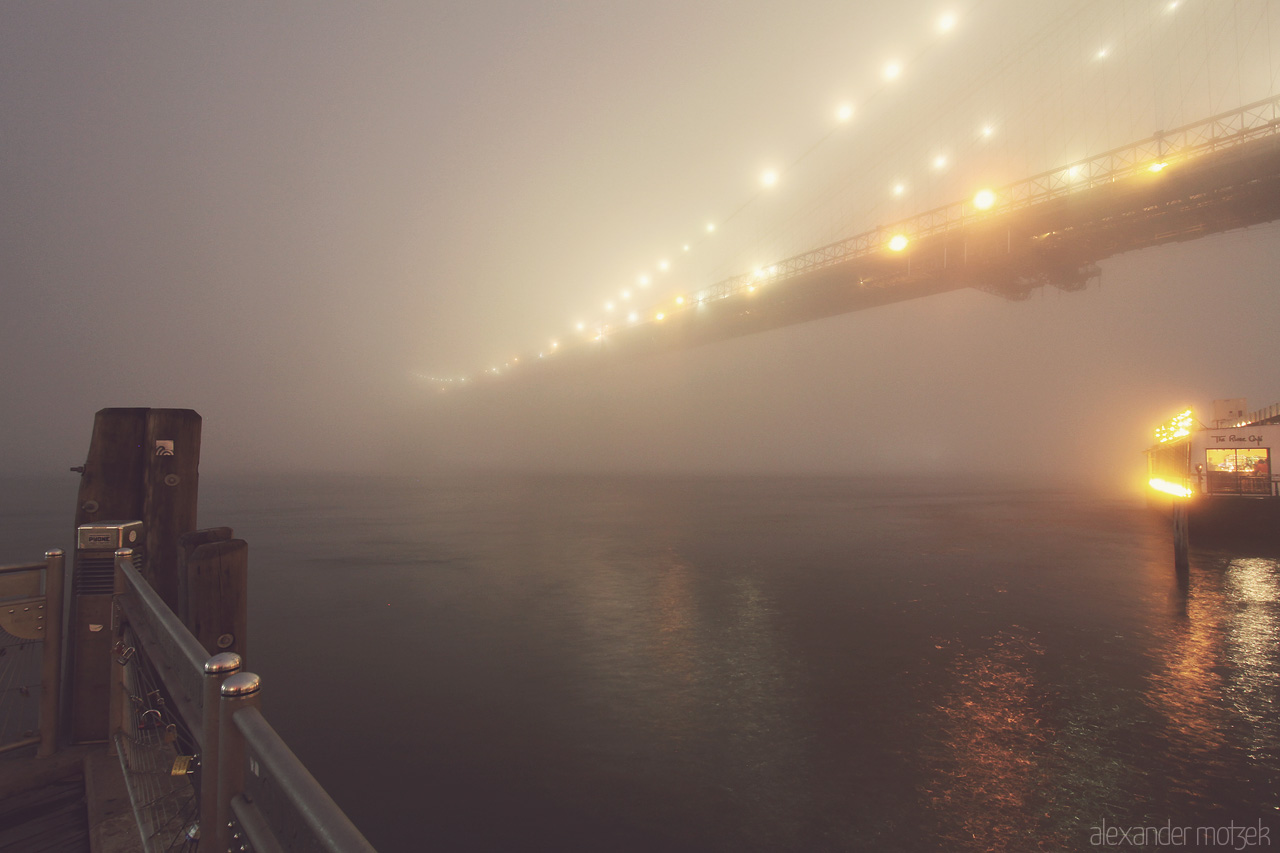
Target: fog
x,y
290,217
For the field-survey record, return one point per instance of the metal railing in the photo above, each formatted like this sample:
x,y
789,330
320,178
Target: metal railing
x,y
1257,416
205,769
31,617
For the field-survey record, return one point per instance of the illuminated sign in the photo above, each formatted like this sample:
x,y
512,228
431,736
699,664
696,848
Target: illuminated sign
x,y
1176,428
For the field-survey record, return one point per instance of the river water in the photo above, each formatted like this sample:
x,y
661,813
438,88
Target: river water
x,y
726,664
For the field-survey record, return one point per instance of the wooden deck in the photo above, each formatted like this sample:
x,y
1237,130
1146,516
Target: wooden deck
x,y
71,802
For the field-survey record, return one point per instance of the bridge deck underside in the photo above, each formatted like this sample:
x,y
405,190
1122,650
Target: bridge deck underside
x,y
1056,242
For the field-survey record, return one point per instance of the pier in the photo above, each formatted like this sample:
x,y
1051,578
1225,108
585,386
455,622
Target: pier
x,y
135,724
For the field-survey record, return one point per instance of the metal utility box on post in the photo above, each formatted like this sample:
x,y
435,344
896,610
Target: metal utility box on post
x,y
89,627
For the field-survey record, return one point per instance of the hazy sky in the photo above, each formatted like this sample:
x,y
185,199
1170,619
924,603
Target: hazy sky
x,y
284,215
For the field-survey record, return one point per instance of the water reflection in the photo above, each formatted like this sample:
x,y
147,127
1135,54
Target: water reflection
x,y
1253,638
1217,677
986,758
686,666
615,667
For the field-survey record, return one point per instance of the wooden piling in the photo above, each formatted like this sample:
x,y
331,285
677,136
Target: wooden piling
x,y
144,465
170,479
187,543
1181,536
111,478
217,596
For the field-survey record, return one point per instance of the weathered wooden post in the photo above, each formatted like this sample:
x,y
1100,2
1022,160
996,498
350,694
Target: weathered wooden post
x,y
111,479
187,543
144,464
1181,536
170,480
217,582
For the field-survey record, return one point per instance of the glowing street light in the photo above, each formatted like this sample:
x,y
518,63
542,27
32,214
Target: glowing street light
x,y
626,294
633,316
608,306
1156,167
940,162
660,315
581,326
898,242
685,247
643,279
984,200
664,266
946,23
987,130
711,226
679,300
769,178
892,70
844,112
899,189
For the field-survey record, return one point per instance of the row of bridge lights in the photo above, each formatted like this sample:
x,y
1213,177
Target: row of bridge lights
x,y
983,200
769,179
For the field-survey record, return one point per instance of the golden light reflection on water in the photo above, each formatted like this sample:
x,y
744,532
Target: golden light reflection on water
x,y
1217,678
689,660
989,741
1253,637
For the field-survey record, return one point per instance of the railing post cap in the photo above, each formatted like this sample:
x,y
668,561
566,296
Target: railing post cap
x,y
53,552
222,662
241,684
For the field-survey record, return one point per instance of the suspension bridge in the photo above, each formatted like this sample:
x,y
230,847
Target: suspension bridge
x,y
1048,230
1051,228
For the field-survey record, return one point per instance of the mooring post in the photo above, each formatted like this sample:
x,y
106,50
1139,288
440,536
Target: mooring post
x,y
1181,536
170,486
187,543
217,586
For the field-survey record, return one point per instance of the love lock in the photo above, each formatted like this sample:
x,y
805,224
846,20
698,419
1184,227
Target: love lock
x,y
123,653
170,733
